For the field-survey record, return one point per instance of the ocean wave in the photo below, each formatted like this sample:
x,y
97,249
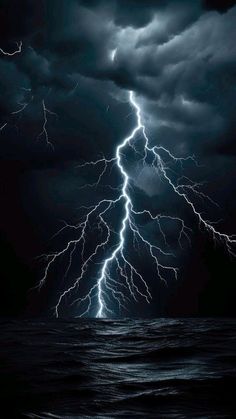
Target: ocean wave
x,y
167,368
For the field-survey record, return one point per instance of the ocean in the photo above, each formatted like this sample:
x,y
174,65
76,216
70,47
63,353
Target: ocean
x,y
85,368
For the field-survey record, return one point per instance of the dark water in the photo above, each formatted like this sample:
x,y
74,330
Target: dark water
x,y
129,368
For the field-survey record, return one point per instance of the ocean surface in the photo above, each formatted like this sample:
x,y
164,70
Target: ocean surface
x,y
164,368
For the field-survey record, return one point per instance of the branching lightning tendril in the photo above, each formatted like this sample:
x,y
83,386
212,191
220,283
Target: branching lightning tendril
x,y
23,105
118,275
17,51
44,131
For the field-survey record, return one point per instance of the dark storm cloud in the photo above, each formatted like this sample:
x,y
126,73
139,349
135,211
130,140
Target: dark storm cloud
x,y
81,58
219,5
178,55
182,57
179,58
189,79
20,19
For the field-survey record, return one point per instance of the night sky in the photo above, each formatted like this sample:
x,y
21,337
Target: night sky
x,y
179,59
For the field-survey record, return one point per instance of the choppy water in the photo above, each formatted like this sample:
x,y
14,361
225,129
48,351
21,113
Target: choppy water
x,y
161,368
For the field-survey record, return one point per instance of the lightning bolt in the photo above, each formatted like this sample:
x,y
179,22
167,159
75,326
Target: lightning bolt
x,y
45,111
118,275
44,132
23,105
17,51
3,126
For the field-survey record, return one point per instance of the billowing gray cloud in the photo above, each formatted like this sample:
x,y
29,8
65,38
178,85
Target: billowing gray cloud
x,y
182,59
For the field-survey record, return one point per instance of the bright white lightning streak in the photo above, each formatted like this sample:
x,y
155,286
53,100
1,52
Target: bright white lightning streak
x,y
44,131
106,287
3,126
17,51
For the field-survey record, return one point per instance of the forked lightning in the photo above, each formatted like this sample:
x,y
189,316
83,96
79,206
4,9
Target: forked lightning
x,y
118,278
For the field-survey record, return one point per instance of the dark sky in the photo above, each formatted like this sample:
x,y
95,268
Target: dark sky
x,y
179,58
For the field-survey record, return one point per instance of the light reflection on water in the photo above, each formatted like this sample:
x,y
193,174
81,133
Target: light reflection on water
x,y
121,368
